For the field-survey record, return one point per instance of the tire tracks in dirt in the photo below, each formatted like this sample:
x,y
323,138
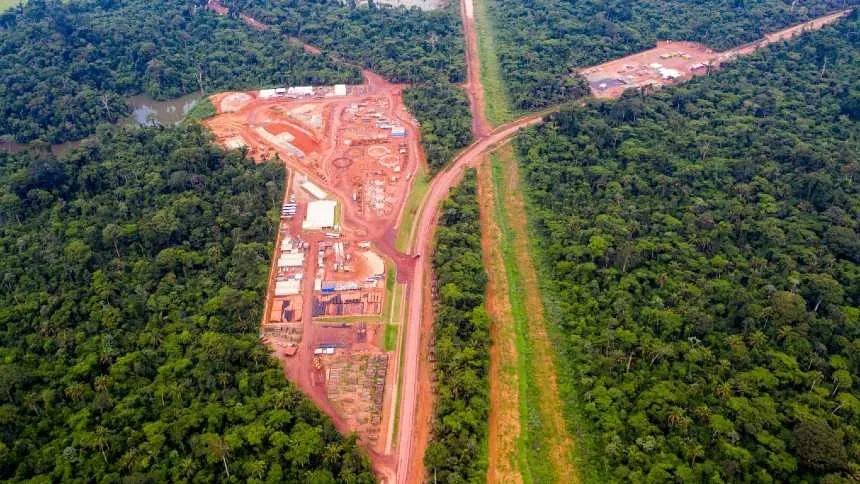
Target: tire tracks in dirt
x,y
560,446
504,424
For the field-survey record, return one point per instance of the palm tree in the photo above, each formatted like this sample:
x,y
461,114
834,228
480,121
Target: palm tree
x,y
724,390
102,383
75,391
102,436
186,466
331,454
219,448
257,467
757,339
696,451
31,401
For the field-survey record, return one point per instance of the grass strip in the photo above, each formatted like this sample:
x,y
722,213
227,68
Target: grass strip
x,y
390,337
533,460
420,185
496,99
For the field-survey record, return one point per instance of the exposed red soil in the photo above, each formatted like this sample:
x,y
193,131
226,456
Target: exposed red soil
x,y
329,130
480,125
405,464
504,418
688,59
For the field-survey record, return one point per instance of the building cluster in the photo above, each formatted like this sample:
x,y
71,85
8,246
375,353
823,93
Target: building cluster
x,y
296,92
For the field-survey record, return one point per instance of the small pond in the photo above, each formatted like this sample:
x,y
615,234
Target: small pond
x,y
149,112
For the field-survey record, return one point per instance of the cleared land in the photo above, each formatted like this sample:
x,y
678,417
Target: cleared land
x,y
542,415
674,62
497,107
474,85
504,453
334,303
6,4
422,4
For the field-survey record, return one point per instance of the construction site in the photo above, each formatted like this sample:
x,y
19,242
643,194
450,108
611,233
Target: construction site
x,y
337,283
674,62
350,153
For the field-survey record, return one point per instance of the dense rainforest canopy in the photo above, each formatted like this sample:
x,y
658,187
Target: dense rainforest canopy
x,y
400,44
445,118
133,271
540,43
701,260
67,65
461,330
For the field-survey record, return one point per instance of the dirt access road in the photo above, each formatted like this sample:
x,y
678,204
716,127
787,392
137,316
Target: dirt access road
x,y
422,242
480,125
405,464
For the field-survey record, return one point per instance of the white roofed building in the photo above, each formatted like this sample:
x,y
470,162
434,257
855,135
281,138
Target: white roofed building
x,y
301,91
314,190
320,215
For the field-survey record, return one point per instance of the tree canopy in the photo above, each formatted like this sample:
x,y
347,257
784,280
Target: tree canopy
x,y
541,43
461,331
400,44
446,121
701,259
67,66
133,271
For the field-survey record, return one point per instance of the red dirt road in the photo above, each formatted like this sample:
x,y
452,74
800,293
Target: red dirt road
x,y
405,463
422,240
480,126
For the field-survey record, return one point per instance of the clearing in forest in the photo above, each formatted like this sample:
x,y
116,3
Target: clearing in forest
x,y
675,62
352,152
541,414
480,27
504,439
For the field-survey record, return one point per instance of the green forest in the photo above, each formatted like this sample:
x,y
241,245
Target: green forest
x,y
541,43
133,270
446,121
400,44
701,264
67,66
458,445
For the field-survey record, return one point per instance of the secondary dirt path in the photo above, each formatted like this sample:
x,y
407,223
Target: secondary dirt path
x,y
503,464
474,88
550,407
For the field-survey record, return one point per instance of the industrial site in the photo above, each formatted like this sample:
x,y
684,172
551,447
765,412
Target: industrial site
x,y
350,152
672,62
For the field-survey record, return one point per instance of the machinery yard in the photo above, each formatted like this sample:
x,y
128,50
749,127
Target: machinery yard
x,y
675,62
668,63
351,152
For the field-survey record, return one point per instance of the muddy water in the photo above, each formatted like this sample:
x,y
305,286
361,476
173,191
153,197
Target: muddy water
x,y
145,112
149,112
